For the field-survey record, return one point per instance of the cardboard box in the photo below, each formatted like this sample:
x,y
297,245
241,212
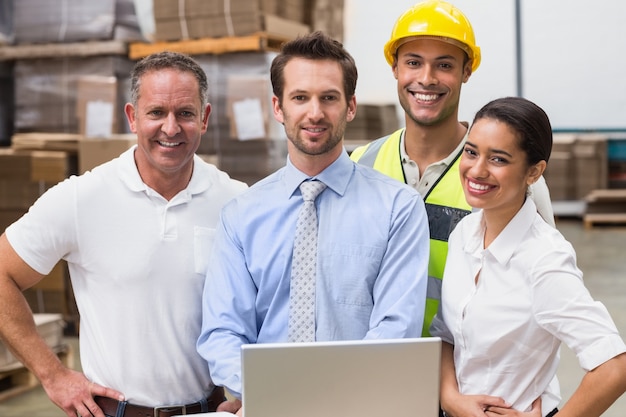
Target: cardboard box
x,y
558,176
25,165
20,194
578,164
327,16
56,280
288,9
97,106
252,160
591,167
167,9
96,151
9,216
373,121
241,24
248,108
252,66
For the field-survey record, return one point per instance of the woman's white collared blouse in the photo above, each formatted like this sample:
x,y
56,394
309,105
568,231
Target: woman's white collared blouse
x,y
507,327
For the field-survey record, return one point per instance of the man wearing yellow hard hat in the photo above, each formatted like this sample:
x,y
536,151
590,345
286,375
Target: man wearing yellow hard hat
x,y
432,52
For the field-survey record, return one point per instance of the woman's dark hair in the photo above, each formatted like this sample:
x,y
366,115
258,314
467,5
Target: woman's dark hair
x,y
315,46
528,120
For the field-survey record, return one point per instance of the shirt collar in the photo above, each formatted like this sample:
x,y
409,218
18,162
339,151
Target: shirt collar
x,y
447,161
127,170
336,176
505,245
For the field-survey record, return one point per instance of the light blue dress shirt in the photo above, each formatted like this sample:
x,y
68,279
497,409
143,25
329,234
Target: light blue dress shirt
x,y
371,270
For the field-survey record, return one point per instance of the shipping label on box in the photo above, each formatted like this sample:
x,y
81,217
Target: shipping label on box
x,y
248,104
96,105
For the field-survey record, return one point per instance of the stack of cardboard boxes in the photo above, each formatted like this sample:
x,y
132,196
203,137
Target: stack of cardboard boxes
x,y
327,16
24,176
194,19
248,142
578,165
61,108
373,121
59,93
82,88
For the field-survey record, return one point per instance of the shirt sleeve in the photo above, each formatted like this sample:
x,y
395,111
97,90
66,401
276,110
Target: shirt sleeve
x,y
400,290
228,311
565,308
47,232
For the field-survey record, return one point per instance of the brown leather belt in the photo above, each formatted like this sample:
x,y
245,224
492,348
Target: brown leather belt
x,y
110,406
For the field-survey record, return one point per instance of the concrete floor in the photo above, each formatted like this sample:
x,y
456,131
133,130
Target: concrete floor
x,y
600,256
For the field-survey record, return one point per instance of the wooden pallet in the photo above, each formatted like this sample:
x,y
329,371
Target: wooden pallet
x,y
605,206
256,42
16,379
61,50
604,218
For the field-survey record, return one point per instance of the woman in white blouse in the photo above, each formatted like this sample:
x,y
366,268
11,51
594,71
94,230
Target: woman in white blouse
x,y
512,291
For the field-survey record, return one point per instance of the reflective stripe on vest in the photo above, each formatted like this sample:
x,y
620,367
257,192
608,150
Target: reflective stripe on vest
x,y
445,207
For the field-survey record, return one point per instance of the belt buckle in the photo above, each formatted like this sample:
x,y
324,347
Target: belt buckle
x,y
157,410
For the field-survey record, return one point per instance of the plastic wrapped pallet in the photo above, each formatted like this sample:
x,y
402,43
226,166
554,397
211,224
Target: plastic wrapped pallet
x,y
49,21
6,22
46,90
233,79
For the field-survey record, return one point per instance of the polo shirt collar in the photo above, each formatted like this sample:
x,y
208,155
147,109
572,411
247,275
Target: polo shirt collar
x,y
128,173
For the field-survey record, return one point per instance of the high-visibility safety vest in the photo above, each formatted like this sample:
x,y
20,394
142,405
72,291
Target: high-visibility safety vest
x,y
445,207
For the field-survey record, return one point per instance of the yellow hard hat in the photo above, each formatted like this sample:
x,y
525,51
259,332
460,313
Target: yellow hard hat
x,y
437,19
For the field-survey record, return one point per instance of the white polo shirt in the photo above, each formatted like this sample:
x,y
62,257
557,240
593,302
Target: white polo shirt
x,y
137,264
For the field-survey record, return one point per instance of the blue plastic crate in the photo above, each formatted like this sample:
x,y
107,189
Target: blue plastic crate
x,y
616,150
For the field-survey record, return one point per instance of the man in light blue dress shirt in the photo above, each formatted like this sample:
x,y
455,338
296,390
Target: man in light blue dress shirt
x,y
372,234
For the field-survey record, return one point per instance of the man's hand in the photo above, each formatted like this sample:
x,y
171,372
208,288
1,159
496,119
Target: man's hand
x,y
232,406
72,392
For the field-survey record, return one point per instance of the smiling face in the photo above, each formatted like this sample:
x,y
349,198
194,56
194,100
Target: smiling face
x,y
430,74
314,110
169,121
494,169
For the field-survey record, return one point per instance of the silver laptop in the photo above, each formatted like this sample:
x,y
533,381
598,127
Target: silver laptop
x,y
366,378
